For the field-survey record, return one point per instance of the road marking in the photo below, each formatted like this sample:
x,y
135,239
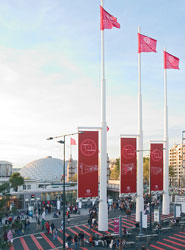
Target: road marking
x,y
25,246
48,241
36,242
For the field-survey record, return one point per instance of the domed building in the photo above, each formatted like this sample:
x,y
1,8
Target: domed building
x,y
44,170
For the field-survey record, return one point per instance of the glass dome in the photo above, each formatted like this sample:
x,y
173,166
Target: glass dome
x,y
45,170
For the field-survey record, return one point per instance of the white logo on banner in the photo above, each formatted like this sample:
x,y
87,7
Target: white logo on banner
x,y
156,155
129,151
171,59
88,147
88,191
146,40
156,170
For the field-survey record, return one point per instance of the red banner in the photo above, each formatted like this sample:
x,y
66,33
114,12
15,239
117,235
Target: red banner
x,y
156,166
116,226
88,164
128,165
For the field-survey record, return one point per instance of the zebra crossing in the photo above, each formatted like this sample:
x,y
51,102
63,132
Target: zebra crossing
x,y
44,241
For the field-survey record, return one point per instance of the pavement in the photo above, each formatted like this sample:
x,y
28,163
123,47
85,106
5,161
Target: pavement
x,y
33,239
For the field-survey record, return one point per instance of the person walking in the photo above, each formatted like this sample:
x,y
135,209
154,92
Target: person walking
x,y
68,218
76,241
10,237
69,242
38,224
52,227
62,225
43,223
81,237
47,227
55,233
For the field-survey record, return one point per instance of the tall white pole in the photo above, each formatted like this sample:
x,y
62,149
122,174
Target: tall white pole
x,y
139,198
103,210
165,207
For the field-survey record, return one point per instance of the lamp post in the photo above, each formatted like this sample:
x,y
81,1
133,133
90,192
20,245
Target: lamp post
x,y
64,195
64,191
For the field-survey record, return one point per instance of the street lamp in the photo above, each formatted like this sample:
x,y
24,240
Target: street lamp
x,y
64,191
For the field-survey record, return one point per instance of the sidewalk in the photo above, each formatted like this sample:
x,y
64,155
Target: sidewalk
x,y
50,217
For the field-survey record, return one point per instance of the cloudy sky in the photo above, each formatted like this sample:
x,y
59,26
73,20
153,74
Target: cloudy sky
x,y
50,73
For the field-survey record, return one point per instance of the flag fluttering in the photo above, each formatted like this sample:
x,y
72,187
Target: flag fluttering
x,y
170,61
72,141
107,21
146,44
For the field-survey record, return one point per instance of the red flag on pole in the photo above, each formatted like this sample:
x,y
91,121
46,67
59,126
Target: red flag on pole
x,y
107,21
72,141
146,44
170,61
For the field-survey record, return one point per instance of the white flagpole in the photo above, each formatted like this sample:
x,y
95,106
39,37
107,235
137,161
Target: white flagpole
x,y
165,208
139,198
103,210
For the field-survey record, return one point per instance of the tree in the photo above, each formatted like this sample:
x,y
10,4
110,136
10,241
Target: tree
x,y
146,170
171,173
16,180
74,178
115,172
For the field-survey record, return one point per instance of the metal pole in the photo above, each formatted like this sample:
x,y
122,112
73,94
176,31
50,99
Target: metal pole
x,y
139,199
141,223
166,167
150,209
103,210
64,200
120,226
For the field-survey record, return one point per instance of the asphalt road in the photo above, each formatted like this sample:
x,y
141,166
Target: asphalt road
x,y
34,240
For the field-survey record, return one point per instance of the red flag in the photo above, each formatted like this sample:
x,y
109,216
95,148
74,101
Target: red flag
x,y
146,44
73,142
107,128
170,61
107,21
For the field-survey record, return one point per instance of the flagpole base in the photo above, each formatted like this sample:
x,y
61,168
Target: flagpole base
x,y
166,204
139,207
103,217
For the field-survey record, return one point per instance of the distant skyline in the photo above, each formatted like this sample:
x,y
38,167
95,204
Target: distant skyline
x,y
50,73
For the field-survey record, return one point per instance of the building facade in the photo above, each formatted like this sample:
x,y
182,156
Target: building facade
x,y
176,160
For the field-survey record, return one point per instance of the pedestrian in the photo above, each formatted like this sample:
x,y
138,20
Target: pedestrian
x,y
55,233
69,242
5,236
47,227
10,237
76,241
43,223
38,224
81,237
89,222
52,227
68,218
61,225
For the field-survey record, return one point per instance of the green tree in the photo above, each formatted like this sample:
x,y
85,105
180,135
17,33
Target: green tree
x,y
115,172
171,173
16,180
74,178
146,170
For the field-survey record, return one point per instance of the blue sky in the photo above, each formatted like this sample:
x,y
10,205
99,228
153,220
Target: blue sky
x,y
50,73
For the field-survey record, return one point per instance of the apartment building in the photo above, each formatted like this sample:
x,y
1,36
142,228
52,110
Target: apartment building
x,y
175,159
